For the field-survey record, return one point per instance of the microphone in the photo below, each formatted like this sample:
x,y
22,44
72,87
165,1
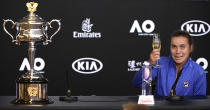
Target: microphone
x,y
172,96
68,96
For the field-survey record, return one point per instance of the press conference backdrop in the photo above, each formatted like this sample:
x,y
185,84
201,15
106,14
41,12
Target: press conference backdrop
x,y
102,43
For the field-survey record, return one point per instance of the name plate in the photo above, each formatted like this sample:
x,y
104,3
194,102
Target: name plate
x,y
148,99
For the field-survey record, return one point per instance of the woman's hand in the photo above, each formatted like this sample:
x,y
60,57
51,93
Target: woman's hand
x,y
154,56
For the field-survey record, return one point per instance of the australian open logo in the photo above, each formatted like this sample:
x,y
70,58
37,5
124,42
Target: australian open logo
x,y
144,28
86,28
39,65
203,62
87,65
196,27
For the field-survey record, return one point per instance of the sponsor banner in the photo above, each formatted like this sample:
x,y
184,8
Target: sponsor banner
x,y
39,65
196,27
87,65
144,29
134,65
203,62
86,28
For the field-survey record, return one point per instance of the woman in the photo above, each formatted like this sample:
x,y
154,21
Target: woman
x,y
190,76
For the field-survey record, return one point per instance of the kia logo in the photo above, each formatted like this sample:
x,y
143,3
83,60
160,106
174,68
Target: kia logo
x,y
87,65
196,27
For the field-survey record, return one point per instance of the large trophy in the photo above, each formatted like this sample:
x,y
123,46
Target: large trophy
x,y
31,87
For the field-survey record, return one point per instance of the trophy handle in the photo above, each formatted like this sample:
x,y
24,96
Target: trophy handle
x,y
13,24
59,27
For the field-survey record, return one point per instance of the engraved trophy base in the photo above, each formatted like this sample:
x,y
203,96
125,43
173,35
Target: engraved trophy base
x,y
32,89
146,99
40,102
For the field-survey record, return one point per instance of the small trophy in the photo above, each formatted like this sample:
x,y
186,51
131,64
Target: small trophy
x,y
31,87
146,97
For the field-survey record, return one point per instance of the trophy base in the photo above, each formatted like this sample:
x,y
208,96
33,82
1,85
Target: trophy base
x,y
23,102
146,99
31,89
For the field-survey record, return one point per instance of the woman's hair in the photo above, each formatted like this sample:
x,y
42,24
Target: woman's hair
x,y
184,34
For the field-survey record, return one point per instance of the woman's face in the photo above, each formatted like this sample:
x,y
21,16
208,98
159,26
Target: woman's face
x,y
180,49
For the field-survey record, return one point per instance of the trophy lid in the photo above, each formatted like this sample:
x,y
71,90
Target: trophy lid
x,y
31,17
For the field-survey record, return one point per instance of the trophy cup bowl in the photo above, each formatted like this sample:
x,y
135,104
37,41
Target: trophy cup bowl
x,y
31,87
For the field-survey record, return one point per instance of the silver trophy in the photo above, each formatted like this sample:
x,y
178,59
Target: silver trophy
x,y
31,87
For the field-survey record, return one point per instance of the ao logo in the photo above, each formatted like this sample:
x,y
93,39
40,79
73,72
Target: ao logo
x,y
87,65
196,27
204,61
147,26
36,67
